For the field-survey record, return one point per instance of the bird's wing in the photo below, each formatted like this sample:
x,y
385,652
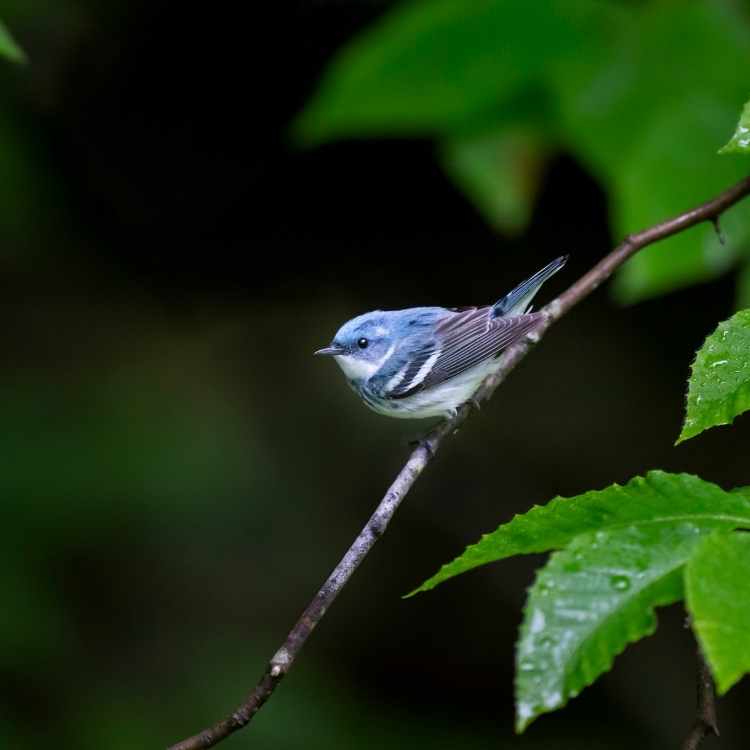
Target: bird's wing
x,y
462,341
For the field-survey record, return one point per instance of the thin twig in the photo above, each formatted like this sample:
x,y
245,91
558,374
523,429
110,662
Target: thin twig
x,y
705,709
283,659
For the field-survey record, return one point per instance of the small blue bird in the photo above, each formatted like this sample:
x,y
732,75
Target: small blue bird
x,y
427,361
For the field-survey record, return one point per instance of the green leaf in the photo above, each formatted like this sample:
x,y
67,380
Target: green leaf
x,y
8,46
499,172
739,143
742,299
609,94
432,67
719,386
717,584
604,81
627,115
590,601
668,172
690,257
656,497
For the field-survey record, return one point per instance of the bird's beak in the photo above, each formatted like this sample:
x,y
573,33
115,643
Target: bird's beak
x,y
329,351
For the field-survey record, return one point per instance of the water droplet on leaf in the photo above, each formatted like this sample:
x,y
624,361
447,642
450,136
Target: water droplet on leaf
x,y
537,621
544,587
552,700
620,583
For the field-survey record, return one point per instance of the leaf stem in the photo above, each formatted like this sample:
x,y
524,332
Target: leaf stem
x,y
705,710
284,658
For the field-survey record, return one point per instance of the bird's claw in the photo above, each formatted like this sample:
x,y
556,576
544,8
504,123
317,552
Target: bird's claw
x,y
423,442
427,444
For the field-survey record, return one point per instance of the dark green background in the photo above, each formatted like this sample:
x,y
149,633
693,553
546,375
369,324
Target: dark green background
x,y
178,474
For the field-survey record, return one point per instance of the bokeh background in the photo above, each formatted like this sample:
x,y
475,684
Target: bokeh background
x,y
179,474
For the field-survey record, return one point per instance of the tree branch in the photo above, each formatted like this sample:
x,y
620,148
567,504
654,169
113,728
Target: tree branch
x,y
705,709
284,658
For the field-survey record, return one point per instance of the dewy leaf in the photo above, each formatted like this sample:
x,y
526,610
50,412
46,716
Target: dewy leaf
x,y
719,386
717,588
428,67
658,496
739,143
590,601
8,46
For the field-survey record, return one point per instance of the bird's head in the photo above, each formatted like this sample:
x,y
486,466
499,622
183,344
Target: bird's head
x,y
362,345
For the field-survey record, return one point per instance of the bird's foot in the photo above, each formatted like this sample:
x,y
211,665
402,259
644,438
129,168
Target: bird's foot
x,y
425,441
428,445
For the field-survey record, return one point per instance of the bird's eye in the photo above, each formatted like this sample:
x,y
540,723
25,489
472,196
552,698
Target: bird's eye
x,y
362,343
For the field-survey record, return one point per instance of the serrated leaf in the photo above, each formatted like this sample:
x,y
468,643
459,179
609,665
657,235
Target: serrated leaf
x,y
719,386
657,496
430,67
8,46
717,584
590,601
739,143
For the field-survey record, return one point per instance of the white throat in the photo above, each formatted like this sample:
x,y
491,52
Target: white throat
x,y
361,369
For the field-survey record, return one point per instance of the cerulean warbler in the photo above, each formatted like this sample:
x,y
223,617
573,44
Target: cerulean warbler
x,y
428,361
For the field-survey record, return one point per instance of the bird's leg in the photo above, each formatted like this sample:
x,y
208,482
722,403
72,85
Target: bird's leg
x,y
428,445
423,442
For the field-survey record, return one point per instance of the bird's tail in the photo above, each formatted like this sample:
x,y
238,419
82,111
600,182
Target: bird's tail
x,y
518,301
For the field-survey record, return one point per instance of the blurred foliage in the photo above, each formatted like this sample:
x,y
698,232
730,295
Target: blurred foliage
x,y
500,172
719,386
8,46
623,551
641,94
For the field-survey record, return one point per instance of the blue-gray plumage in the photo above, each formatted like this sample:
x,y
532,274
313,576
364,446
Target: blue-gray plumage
x,y
427,361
